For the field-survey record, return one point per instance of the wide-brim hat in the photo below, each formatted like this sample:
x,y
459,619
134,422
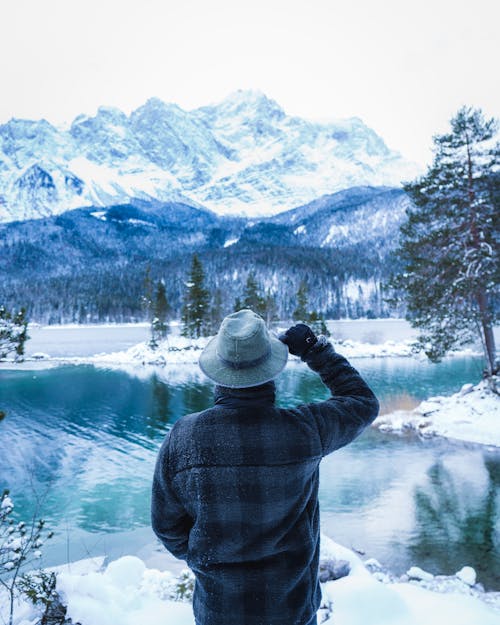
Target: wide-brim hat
x,y
243,353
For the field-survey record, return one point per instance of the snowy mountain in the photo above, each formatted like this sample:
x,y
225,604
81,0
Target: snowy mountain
x,y
242,156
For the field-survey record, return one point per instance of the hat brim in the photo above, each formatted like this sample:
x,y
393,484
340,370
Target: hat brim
x,y
224,375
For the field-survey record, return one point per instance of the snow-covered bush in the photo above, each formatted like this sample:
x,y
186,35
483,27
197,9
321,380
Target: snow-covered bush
x,y
20,546
13,332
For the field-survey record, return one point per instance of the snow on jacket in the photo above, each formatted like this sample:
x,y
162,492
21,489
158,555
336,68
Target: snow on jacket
x,y
235,494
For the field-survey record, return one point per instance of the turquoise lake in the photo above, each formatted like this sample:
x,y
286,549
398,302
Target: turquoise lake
x,y
83,441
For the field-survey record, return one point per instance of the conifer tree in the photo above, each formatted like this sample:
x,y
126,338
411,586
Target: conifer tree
x,y
252,297
147,296
448,245
160,310
301,313
13,332
270,308
194,316
216,312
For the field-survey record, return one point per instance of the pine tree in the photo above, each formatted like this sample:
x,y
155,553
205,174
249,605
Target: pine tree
x,y
448,245
216,312
270,309
196,303
13,332
317,323
252,297
160,310
147,297
301,313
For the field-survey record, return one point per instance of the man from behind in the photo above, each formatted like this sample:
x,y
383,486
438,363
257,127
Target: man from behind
x,y
235,488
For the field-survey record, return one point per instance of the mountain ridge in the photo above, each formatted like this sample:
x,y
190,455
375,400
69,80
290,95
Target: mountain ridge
x,y
89,264
241,156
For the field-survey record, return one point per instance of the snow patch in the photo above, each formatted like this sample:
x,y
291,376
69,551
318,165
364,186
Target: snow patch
x,y
99,215
472,417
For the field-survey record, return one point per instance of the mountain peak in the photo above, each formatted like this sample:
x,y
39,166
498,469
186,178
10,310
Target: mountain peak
x,y
245,103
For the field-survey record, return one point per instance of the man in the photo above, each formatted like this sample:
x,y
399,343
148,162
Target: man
x,y
235,489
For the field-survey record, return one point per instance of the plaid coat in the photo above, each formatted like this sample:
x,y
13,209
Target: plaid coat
x,y
235,494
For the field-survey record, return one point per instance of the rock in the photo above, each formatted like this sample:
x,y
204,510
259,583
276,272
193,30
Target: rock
x,y
40,356
373,565
467,575
466,388
415,572
333,569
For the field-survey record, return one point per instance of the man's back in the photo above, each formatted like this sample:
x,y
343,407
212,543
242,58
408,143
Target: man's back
x,y
235,494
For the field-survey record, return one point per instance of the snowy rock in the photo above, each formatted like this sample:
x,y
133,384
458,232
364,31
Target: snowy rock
x,y
40,356
127,571
466,388
372,564
415,572
333,569
468,575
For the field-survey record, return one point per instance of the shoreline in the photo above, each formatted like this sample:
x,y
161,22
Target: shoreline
x,y
471,415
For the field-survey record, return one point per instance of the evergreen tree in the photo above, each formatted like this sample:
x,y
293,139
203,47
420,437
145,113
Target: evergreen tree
x,y
194,316
301,313
13,332
147,296
270,309
448,249
252,297
160,310
317,323
216,312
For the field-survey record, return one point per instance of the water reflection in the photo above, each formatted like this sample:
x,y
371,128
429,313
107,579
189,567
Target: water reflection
x,y
456,512
158,417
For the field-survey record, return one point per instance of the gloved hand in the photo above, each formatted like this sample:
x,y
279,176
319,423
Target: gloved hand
x,y
299,339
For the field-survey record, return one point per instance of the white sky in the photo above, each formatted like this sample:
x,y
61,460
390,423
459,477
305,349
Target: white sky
x,y
403,67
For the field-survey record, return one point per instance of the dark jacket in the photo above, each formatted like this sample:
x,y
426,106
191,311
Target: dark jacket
x,y
235,494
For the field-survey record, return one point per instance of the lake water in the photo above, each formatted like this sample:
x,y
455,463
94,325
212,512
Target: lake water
x,y
84,440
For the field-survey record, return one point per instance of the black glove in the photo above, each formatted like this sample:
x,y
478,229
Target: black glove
x,y
299,339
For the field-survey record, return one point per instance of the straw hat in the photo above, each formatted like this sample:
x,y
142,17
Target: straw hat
x,y
243,353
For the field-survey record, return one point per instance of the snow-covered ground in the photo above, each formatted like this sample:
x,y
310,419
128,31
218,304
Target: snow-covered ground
x,y
126,592
472,414
127,344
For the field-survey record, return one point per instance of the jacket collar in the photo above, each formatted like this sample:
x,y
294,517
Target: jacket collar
x,y
245,397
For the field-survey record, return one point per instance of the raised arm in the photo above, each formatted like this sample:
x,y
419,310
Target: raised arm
x,y
352,406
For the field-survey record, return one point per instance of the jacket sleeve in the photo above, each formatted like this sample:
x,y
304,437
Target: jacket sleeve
x,y
169,519
352,406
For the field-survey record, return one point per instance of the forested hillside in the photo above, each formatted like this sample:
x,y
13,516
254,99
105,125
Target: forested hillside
x,y
89,265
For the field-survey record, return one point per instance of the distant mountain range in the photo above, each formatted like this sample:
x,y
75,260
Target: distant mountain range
x,y
242,156
89,264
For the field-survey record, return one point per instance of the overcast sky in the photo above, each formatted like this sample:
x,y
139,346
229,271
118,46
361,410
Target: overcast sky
x,y
403,67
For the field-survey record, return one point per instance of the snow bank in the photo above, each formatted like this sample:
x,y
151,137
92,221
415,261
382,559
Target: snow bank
x,y
181,350
472,414
127,592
